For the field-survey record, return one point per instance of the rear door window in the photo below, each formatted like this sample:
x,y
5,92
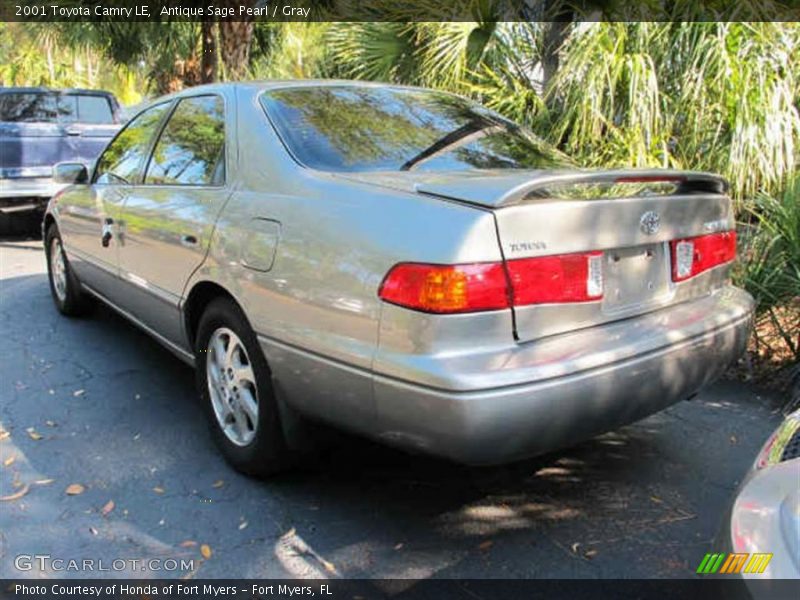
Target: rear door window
x,y
191,149
28,107
67,108
47,107
94,110
122,161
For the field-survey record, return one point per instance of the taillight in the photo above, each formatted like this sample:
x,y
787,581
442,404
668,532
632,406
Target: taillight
x,y
692,256
556,279
447,288
485,286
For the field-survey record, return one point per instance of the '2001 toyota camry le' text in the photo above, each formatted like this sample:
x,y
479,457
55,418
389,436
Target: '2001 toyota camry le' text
x,y
399,262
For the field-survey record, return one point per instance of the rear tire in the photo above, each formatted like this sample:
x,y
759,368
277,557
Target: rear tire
x,y
69,298
235,386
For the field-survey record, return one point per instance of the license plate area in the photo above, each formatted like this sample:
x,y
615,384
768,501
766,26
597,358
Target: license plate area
x,y
635,277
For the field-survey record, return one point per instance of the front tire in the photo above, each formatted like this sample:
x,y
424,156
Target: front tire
x,y
65,288
235,386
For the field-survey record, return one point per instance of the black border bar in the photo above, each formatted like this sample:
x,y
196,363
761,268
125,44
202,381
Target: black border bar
x,y
37,11
399,589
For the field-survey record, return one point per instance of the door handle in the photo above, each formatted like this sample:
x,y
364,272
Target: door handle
x,y
107,232
188,240
73,131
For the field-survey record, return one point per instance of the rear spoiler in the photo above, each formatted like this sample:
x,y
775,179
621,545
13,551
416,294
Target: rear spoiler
x,y
686,181
505,189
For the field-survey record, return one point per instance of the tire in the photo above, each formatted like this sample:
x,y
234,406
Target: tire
x,y
242,411
69,298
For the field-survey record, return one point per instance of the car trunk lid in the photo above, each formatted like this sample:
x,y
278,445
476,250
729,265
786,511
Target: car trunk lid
x,y
628,218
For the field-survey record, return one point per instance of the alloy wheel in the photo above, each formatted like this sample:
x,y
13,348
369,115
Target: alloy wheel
x,y
232,386
58,270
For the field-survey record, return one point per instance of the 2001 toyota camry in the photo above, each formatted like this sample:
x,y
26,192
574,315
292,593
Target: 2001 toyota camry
x,y
399,262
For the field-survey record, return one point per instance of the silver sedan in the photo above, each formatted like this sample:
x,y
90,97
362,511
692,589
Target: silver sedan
x,y
399,262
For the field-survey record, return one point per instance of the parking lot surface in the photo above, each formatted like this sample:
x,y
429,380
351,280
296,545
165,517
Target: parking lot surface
x,y
107,456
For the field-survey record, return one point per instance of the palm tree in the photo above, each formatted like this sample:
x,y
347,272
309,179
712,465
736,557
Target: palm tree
x,y
235,39
713,96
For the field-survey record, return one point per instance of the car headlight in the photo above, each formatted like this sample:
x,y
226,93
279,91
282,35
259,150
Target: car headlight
x,y
782,445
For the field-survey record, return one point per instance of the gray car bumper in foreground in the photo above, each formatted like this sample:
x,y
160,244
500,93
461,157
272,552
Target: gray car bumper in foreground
x,y
764,517
642,366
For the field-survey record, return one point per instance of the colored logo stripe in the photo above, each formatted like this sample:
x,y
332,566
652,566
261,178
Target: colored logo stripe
x,y
758,563
734,563
711,563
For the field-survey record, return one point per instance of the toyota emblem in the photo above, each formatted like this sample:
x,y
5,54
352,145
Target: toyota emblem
x,y
650,222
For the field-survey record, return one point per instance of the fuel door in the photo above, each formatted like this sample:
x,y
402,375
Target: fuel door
x,y
260,243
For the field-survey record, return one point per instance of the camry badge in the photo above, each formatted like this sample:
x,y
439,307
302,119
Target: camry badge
x,y
650,222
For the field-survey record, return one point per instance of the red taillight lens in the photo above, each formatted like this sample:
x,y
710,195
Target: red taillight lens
x,y
447,288
557,279
692,256
485,286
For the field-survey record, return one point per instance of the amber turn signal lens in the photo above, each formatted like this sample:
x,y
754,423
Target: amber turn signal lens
x,y
447,288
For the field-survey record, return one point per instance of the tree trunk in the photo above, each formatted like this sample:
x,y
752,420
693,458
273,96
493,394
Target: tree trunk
x,y
235,40
554,37
208,63
51,69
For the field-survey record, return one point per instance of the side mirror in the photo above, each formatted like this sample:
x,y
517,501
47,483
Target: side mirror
x,y
70,172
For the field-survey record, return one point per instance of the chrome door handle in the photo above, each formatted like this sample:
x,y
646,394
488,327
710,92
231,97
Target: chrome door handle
x,y
107,232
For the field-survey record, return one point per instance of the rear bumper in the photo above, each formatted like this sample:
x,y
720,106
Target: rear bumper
x,y
555,392
26,193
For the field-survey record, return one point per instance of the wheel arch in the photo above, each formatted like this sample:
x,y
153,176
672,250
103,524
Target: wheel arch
x,y
49,220
199,297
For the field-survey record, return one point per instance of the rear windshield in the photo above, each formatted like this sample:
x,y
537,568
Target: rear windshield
x,y
349,128
43,107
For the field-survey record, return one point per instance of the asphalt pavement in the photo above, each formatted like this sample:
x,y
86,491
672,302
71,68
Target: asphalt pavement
x,y
105,456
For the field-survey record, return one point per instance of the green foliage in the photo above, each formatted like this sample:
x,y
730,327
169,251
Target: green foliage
x,y
507,81
610,109
710,96
288,51
770,261
376,51
37,55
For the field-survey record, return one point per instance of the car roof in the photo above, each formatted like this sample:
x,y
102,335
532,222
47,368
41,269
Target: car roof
x,y
282,83
272,84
